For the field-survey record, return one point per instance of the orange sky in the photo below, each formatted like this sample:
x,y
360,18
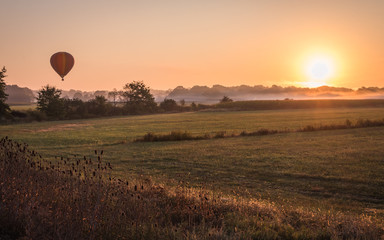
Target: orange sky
x,y
172,43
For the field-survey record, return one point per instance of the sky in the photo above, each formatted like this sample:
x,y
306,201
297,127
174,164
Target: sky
x,y
167,44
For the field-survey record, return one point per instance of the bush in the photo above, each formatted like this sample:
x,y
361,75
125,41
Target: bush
x,y
34,115
308,128
221,134
173,136
18,114
169,105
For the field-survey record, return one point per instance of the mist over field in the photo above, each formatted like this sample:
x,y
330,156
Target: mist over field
x,y
205,94
259,92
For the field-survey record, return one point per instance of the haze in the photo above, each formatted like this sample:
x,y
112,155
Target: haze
x,y
172,43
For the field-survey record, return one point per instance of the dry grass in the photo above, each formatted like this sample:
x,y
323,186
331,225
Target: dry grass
x,y
78,199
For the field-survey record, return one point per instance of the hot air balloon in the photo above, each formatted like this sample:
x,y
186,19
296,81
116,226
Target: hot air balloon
x,y
62,63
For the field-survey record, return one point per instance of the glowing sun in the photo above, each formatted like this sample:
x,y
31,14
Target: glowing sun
x,y
319,70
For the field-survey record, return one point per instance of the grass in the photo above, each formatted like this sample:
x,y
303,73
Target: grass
x,y
338,170
199,123
23,106
182,136
78,198
301,104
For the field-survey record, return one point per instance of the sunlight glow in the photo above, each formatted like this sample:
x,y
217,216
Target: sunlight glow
x,y
319,69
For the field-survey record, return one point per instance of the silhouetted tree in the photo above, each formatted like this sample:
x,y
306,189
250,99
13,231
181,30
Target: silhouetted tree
x,y
182,102
114,94
49,102
75,108
193,106
4,108
225,99
138,98
98,106
78,95
101,93
169,105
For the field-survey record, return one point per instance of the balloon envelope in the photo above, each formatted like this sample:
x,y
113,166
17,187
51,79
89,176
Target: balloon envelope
x,y
62,63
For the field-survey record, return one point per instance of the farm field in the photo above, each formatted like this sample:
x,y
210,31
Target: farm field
x,y
23,106
336,169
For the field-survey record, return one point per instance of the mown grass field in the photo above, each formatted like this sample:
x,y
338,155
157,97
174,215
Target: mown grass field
x,y
329,170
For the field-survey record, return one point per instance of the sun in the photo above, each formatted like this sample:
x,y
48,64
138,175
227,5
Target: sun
x,y
319,70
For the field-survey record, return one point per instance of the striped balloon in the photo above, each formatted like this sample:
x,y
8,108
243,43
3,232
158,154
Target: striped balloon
x,y
62,63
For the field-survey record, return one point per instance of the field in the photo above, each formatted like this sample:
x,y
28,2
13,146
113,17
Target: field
x,y
23,106
337,169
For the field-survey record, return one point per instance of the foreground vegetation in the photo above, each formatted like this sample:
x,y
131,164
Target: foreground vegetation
x,y
77,198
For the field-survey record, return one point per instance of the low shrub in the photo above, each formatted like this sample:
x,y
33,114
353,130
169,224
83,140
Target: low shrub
x,y
173,136
221,134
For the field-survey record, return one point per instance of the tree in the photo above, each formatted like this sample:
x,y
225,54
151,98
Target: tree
x,y
98,106
138,98
168,105
75,108
101,93
226,99
194,106
4,108
78,95
49,102
114,94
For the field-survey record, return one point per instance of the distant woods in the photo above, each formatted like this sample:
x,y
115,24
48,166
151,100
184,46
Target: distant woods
x,y
135,98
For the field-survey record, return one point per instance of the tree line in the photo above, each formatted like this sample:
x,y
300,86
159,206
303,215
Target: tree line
x,y
134,99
